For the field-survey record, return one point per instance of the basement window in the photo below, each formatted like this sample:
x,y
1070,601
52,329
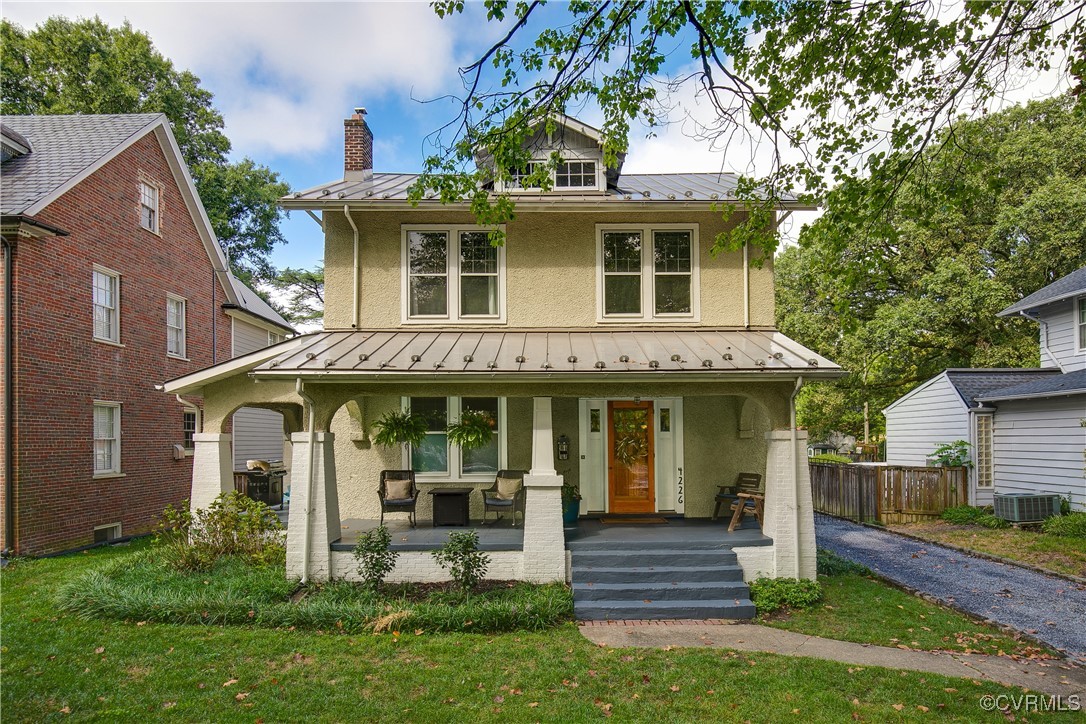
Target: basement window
x,y
107,533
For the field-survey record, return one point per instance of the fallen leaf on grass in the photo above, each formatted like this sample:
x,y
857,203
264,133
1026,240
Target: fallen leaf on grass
x,y
922,708
241,696
899,707
674,688
533,704
100,649
499,699
230,683
950,690
169,704
66,710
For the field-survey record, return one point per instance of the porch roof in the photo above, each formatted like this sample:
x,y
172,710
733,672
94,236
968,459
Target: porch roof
x,y
534,353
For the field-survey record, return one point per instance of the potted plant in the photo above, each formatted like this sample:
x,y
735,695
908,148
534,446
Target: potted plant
x,y
474,430
397,427
571,504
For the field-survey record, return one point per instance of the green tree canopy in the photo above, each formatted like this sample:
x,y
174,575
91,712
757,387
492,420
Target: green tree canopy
x,y
999,213
85,66
860,90
304,290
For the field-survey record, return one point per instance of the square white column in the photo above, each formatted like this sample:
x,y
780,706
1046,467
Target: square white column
x,y
212,468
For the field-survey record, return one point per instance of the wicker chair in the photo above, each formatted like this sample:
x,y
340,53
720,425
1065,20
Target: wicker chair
x,y
398,505
491,501
744,483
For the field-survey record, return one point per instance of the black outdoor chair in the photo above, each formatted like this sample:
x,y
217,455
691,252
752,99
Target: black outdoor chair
x,y
744,483
492,502
398,505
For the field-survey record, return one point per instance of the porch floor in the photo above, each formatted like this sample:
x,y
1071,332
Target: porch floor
x,y
499,536
678,531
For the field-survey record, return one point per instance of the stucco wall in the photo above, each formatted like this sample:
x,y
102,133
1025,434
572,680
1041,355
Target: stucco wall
x,y
551,268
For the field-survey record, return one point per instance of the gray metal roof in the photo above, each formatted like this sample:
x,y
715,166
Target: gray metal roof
x,y
251,302
488,352
972,384
63,147
630,189
1069,286
1071,383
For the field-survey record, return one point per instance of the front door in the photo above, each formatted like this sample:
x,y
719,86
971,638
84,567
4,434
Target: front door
x,y
630,459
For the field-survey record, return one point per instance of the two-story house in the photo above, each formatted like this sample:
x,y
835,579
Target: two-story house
x,y
1026,426
613,350
113,280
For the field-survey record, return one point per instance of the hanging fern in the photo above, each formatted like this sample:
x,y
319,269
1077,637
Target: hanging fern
x,y
475,430
396,428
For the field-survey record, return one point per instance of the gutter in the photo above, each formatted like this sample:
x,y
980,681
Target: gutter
x,y
795,469
357,269
746,286
309,475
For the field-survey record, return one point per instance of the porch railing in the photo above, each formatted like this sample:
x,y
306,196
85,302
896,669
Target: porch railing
x,y
886,494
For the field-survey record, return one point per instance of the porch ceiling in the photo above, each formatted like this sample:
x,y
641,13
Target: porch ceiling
x,y
584,353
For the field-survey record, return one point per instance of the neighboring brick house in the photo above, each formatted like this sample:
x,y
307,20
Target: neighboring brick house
x,y
605,343
114,282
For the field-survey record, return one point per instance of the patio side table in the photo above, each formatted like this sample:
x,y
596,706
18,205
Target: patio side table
x,y
450,506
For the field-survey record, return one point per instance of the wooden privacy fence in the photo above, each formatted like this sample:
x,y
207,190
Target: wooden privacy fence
x,y
886,494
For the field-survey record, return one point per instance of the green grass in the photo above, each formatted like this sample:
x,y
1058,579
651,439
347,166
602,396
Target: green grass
x,y
58,666
866,610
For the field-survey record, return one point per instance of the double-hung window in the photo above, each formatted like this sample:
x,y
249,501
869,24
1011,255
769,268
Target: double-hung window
x,y
107,438
437,458
149,206
188,429
453,274
175,326
106,291
1081,319
648,273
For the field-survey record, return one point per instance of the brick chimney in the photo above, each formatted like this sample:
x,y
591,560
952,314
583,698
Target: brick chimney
x,y
357,147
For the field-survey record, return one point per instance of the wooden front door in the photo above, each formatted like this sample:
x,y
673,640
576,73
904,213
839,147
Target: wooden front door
x,y
630,459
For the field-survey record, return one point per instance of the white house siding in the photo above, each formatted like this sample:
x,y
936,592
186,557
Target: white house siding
x,y
1039,447
929,416
258,434
1061,325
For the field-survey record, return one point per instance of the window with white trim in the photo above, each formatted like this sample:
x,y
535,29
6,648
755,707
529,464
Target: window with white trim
x,y
1081,336
107,438
436,457
572,173
149,206
274,338
648,273
175,326
188,429
106,287
983,451
453,273
575,175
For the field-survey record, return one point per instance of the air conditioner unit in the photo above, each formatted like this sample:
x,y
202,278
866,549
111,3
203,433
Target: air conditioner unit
x,y
1026,507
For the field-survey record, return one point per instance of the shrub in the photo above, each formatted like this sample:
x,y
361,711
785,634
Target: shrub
x,y
830,458
987,520
831,564
461,557
375,559
952,455
968,515
233,525
1071,526
773,594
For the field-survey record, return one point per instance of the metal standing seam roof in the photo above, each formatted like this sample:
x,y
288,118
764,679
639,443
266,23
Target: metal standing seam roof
x,y
630,188
972,384
445,352
63,147
1069,286
1070,383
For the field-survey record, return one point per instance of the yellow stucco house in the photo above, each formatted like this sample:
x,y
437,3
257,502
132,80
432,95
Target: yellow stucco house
x,y
604,312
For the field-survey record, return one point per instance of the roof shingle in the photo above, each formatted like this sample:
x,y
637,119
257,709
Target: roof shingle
x,y
1064,287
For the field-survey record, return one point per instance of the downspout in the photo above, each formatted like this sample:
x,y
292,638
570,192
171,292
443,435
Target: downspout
x,y
9,402
357,269
309,474
746,286
795,469
1044,328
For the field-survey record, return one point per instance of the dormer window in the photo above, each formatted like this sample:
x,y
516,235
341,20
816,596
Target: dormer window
x,y
576,175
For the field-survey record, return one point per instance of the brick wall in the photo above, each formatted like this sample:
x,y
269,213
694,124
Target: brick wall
x,y
61,370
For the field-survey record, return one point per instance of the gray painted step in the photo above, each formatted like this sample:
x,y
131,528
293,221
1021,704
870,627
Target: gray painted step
x,y
653,558
641,591
656,574
617,610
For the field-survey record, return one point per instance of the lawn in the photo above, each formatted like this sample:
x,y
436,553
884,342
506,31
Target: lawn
x,y
58,666
866,610
1060,554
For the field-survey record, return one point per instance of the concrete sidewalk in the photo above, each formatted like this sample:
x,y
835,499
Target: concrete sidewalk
x,y
1050,677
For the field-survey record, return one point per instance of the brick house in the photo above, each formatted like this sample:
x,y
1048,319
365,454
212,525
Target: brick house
x,y
609,348
113,282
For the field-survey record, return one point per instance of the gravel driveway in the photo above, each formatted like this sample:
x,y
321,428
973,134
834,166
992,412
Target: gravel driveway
x,y
1050,609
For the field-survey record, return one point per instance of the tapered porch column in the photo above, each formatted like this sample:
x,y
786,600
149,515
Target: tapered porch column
x,y
212,468
316,514
544,539
789,508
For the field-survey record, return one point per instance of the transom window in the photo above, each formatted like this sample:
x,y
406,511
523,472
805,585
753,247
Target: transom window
x,y
149,207
107,438
648,273
436,457
175,326
453,274
106,286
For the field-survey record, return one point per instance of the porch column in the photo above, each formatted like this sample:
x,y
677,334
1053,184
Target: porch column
x,y
212,468
316,515
544,540
789,508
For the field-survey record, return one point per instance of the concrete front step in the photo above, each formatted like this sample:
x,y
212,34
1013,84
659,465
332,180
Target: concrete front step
x,y
614,610
656,574
653,557
675,591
